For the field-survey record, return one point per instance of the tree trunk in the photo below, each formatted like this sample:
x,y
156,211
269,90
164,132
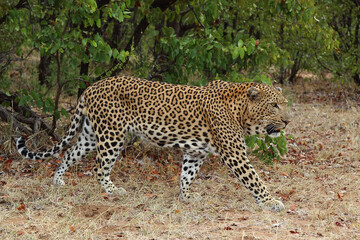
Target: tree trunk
x,y
84,71
137,34
356,78
296,67
44,69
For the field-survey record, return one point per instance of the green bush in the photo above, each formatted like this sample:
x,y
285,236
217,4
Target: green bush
x,y
268,149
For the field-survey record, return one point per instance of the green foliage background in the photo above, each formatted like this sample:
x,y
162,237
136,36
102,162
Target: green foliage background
x,y
184,42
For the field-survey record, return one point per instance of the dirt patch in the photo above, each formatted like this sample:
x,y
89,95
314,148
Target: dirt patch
x,y
96,211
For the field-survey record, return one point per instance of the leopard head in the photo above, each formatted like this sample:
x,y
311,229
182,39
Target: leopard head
x,y
267,110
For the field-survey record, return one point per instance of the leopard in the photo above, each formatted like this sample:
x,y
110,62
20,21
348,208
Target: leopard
x,y
199,120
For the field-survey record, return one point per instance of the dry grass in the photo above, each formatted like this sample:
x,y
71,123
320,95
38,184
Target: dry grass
x,y
318,181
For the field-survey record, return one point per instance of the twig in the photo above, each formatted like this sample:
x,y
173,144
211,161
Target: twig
x,y
326,68
153,67
192,9
22,115
6,116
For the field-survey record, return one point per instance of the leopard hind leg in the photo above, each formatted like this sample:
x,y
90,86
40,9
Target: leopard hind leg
x,y
108,151
85,144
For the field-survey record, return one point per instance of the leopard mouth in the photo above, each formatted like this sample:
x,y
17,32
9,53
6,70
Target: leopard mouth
x,y
272,130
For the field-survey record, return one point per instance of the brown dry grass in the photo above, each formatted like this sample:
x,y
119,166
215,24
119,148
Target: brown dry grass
x,y
318,181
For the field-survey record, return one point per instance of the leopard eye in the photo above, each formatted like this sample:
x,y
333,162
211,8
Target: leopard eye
x,y
275,105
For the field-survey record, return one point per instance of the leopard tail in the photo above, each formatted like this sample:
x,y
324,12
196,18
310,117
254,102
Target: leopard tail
x,y
76,123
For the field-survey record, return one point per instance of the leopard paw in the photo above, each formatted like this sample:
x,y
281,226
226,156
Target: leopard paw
x,y
190,197
112,190
58,182
120,191
273,205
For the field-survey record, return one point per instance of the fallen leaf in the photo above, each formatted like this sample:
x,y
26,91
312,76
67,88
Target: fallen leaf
x,y
149,195
105,196
22,207
284,196
177,211
72,228
338,224
155,172
294,231
7,164
293,207
150,178
320,147
140,206
340,196
19,233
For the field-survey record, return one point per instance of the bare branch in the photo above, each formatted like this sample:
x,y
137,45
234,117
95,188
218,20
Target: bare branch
x,y
23,115
192,9
7,116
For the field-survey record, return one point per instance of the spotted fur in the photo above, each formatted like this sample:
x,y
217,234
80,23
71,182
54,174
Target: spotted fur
x,y
199,120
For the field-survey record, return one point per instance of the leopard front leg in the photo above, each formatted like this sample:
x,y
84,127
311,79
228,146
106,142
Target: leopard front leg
x,y
227,136
244,171
192,162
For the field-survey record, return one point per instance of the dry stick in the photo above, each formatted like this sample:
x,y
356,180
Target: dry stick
x,y
6,116
22,115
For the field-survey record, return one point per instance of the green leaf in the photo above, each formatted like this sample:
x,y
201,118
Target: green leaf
x,y
115,53
57,114
84,41
235,53
93,43
64,112
92,5
241,53
22,101
265,80
251,46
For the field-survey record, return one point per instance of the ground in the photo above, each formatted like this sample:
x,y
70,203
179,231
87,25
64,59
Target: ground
x,y
318,181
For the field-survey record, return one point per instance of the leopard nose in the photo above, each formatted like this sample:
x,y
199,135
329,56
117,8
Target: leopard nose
x,y
286,122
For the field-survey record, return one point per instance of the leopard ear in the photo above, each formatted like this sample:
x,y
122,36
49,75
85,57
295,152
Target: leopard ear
x,y
279,89
253,93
